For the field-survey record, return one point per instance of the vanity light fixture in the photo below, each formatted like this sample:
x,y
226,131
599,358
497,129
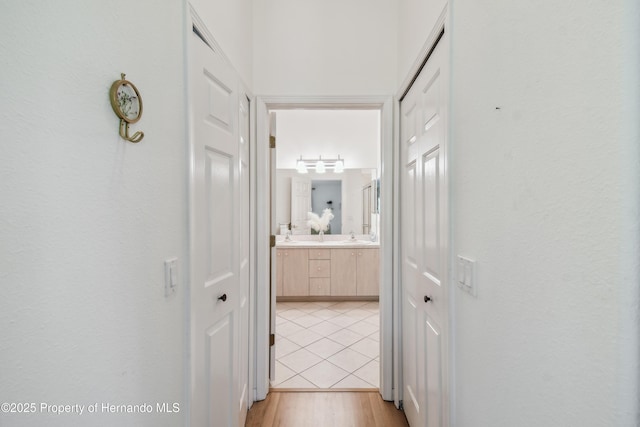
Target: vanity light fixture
x,y
320,165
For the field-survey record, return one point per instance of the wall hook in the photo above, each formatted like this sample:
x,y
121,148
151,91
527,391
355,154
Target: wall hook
x,y
127,104
124,133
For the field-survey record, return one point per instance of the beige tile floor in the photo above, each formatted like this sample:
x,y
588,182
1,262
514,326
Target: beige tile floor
x,y
327,345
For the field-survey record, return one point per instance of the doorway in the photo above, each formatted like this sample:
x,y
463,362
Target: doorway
x,y
350,222
327,315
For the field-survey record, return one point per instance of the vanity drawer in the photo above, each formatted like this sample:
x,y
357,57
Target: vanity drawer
x,y
319,268
319,253
319,286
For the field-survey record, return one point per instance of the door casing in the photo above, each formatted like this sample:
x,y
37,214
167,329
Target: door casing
x,y
388,311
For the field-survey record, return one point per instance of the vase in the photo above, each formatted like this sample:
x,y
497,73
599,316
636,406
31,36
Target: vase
x,y
321,234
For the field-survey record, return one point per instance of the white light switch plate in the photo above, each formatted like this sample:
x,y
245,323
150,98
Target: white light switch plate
x,y
170,276
466,275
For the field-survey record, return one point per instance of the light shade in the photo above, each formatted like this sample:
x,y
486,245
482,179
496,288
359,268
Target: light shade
x,y
320,166
301,167
338,167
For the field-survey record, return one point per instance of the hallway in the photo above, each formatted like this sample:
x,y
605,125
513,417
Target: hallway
x,y
97,261
322,409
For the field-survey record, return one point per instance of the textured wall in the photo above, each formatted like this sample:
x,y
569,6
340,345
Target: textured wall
x,y
545,198
331,47
86,220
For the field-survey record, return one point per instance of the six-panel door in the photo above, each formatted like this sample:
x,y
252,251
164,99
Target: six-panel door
x,y
424,247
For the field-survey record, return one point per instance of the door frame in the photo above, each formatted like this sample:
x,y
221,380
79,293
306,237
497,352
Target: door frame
x,y
388,303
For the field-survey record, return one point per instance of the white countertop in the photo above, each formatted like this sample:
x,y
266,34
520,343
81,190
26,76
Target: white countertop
x,y
302,244
329,242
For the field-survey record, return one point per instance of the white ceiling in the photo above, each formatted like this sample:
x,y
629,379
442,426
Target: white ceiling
x,y
352,134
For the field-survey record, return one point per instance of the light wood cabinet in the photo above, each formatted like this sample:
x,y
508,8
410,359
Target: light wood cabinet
x,y
355,272
327,272
279,272
319,268
343,272
319,253
295,272
368,272
319,286
319,272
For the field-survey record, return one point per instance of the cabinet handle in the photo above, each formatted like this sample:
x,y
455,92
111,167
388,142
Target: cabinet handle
x,y
353,253
222,297
319,268
427,298
359,253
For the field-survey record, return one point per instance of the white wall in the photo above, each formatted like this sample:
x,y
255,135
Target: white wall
x,y
354,135
231,24
331,47
545,198
86,219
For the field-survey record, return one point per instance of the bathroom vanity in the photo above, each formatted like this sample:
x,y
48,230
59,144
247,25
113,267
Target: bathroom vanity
x,y
331,269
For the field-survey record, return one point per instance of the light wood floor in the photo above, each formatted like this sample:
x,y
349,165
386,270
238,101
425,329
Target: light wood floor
x,y
323,409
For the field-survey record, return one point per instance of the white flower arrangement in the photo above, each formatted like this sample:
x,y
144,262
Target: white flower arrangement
x,y
320,224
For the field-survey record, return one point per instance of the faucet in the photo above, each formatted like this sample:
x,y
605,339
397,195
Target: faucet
x,y
353,235
373,236
287,236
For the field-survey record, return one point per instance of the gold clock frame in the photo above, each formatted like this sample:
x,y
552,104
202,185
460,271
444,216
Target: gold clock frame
x,y
125,118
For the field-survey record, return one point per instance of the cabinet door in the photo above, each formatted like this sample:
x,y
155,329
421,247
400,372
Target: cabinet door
x,y
279,272
343,271
319,286
296,272
368,272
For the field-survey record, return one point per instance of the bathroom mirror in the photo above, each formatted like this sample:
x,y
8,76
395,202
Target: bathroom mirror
x,y
349,195
350,137
328,195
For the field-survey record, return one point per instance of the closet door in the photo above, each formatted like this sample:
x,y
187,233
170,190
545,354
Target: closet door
x,y
219,240
424,243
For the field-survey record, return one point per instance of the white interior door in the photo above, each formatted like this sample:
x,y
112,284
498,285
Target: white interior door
x,y
242,394
219,234
424,243
300,204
